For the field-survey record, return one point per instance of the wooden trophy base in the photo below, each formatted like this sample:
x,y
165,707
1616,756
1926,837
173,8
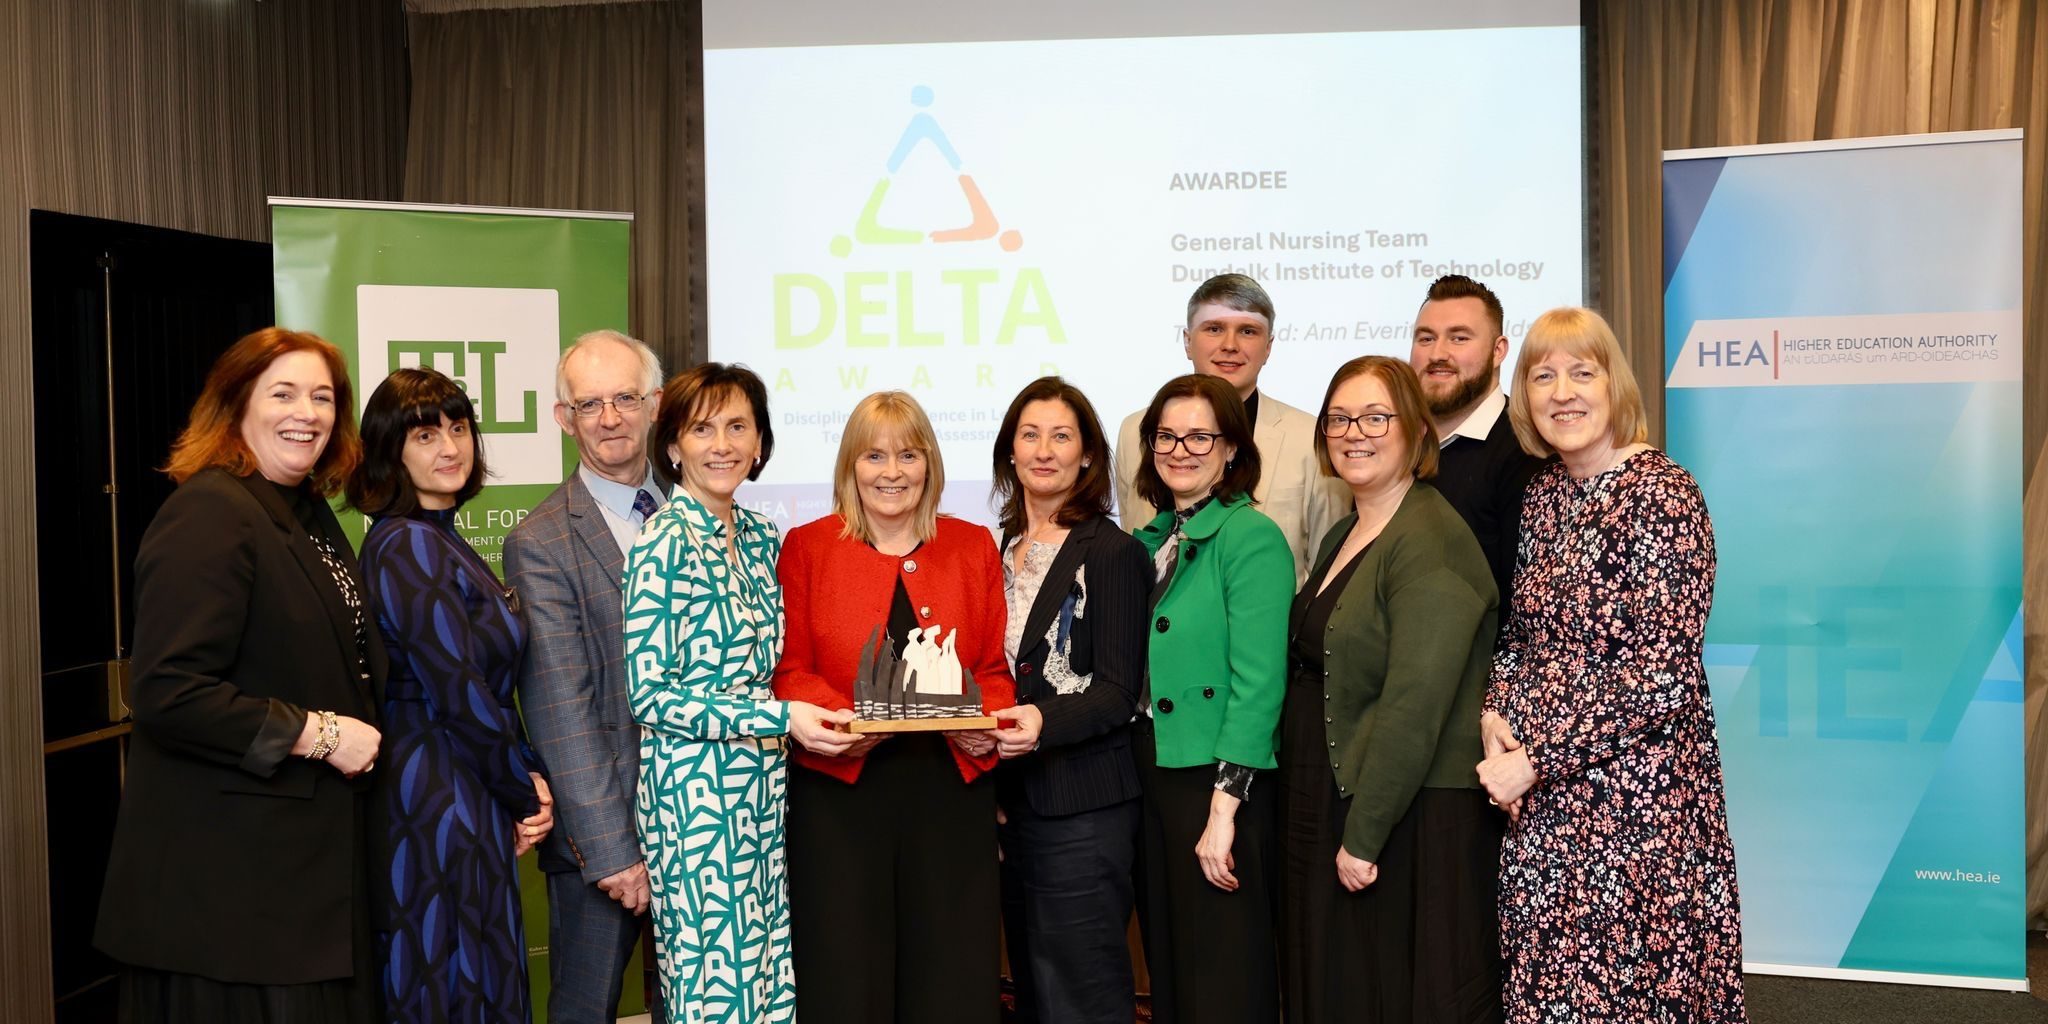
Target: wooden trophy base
x,y
866,725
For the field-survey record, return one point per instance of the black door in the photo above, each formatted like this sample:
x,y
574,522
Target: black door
x,y
127,319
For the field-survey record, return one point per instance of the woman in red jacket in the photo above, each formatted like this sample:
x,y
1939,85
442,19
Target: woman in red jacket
x,y
892,868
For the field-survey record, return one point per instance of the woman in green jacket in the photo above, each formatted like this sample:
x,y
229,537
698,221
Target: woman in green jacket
x,y
1391,852
1205,735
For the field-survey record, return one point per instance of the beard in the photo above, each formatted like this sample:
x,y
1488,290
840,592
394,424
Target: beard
x,y
1465,393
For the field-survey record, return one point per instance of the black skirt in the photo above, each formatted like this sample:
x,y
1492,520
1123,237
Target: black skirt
x,y
150,996
1420,944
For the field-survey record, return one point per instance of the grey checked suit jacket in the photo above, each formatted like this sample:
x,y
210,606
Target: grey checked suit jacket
x,y
567,569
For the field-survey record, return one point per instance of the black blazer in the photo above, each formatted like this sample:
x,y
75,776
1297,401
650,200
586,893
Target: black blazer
x,y
1083,760
231,858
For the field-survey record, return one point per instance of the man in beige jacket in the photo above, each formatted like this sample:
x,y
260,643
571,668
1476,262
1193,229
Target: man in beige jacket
x,y
1230,335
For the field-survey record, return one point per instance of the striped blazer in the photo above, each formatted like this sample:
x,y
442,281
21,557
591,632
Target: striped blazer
x,y
1092,612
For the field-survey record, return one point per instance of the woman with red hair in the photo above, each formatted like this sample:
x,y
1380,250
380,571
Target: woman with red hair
x,y
237,885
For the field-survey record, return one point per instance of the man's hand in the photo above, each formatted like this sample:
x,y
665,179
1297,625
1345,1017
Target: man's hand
x,y
628,888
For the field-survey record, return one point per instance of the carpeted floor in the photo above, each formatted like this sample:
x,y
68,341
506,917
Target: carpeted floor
x,y
1777,1000
1780,1000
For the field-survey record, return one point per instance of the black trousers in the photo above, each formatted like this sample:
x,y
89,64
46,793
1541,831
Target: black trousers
x,y
1211,953
1067,894
892,890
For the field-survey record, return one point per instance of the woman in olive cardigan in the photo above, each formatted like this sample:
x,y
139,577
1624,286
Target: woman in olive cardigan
x,y
1390,851
1204,739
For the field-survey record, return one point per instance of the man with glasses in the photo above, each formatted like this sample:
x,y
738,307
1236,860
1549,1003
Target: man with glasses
x,y
1482,470
566,561
1229,334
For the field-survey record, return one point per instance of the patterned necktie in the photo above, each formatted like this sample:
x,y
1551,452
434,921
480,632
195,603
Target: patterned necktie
x,y
645,504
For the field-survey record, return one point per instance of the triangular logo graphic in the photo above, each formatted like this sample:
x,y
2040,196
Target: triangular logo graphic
x,y
924,129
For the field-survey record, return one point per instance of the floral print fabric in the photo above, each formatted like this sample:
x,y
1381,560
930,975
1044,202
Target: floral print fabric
x,y
1618,897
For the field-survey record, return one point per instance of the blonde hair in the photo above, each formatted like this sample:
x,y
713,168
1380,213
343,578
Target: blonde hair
x,y
1585,334
896,416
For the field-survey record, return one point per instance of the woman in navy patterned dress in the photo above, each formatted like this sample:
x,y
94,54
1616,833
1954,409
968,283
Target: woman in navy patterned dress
x,y
460,796
1617,889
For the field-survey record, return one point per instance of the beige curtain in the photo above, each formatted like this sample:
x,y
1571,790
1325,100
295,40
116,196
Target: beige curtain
x,y
582,108
179,115
1681,74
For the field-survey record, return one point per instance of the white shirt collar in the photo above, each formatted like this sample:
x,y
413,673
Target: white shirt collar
x,y
1480,423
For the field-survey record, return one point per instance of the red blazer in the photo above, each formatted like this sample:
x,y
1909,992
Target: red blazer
x,y
836,591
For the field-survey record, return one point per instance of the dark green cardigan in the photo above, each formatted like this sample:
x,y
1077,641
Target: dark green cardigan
x,y
1405,660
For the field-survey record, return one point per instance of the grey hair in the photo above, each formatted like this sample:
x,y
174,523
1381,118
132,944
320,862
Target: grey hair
x,y
650,364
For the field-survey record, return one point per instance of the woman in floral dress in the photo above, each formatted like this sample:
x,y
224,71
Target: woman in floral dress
x,y
703,634
1617,894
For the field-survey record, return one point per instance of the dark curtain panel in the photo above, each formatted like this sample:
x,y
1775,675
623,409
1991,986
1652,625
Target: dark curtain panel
x,y
1684,74
578,108
178,115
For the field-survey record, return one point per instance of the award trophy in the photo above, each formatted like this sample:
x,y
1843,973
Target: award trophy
x,y
924,691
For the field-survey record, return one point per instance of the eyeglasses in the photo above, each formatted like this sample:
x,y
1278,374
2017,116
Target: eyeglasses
x,y
1199,442
591,408
1374,424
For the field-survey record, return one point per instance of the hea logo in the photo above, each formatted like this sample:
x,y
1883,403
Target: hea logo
x,y
501,344
964,303
1731,352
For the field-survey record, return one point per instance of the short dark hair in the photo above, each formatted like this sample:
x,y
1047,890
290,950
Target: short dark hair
x,y
698,392
412,397
1411,411
1458,286
1240,477
1235,291
1090,496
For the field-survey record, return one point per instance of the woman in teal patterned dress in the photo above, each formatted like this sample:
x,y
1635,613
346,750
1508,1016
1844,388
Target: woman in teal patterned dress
x,y
703,634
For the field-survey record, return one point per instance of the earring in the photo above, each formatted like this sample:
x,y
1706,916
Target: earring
x,y
1085,463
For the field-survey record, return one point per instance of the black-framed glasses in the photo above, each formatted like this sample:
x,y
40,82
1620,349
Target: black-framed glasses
x,y
591,408
1197,442
1374,424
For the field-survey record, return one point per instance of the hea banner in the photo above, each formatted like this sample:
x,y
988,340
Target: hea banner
x,y
487,296
1842,341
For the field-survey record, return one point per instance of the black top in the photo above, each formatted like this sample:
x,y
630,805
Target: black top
x,y
902,619
1484,481
1312,612
309,509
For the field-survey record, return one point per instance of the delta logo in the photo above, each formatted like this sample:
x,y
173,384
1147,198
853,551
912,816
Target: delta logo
x,y
910,285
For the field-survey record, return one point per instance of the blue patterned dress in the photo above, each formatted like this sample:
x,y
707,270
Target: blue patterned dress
x,y
703,633
453,778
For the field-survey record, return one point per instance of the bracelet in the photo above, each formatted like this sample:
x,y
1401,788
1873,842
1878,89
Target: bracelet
x,y
329,738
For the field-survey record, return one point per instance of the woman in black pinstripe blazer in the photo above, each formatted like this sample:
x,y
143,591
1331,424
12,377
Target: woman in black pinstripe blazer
x,y
1077,587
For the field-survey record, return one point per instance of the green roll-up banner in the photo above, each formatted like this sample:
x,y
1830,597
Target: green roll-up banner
x,y
489,297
